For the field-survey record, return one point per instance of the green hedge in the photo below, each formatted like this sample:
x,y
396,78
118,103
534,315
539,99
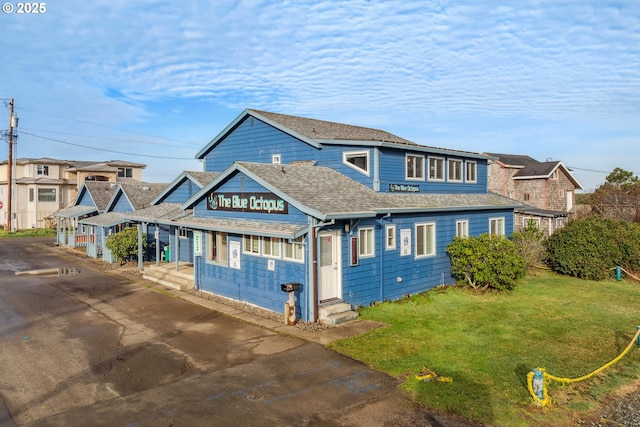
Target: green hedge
x,y
589,248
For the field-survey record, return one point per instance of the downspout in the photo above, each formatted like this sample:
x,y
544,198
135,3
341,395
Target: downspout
x,y
177,251
376,169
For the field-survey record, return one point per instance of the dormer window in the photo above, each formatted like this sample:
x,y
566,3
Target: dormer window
x,y
42,170
358,160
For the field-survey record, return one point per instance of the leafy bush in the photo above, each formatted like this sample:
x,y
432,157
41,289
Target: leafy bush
x,y
590,247
530,244
486,262
124,245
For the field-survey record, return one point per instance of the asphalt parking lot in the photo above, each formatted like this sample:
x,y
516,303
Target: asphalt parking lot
x,y
96,349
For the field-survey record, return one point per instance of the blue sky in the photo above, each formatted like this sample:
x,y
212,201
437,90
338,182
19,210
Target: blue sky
x,y
158,79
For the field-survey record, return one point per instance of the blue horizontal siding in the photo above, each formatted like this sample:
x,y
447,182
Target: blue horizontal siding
x,y
181,192
121,204
253,283
85,199
255,141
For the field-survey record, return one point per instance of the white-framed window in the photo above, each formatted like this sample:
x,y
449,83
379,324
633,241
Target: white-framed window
x,y
366,242
294,249
32,196
554,174
527,220
425,239
471,171
390,240
462,228
251,244
217,247
42,170
183,233
415,167
496,226
276,159
46,194
271,247
125,172
455,170
559,222
436,169
358,160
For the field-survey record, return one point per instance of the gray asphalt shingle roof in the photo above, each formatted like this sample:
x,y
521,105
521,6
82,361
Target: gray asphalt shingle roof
x,y
101,192
141,194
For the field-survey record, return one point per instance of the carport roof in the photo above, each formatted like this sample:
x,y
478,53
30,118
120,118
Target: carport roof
x,y
108,219
75,211
228,225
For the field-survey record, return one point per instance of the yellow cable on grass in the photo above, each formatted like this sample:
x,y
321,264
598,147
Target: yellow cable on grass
x,y
546,376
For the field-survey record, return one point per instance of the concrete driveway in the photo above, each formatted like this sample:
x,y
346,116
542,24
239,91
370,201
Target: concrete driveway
x,y
95,349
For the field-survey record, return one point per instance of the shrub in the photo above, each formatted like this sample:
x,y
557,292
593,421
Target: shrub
x,y
486,262
124,245
530,244
590,247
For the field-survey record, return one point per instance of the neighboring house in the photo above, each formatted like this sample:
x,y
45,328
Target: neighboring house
x,y
546,189
128,197
348,214
44,185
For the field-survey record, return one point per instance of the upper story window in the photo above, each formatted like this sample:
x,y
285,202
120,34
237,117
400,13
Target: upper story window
x,y
455,170
125,172
471,174
554,174
358,160
415,167
436,169
276,159
42,170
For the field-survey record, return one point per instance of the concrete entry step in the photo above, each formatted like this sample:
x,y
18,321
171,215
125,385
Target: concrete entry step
x,y
167,275
336,313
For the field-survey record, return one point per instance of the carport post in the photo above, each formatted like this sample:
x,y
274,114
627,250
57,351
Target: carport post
x,y
141,227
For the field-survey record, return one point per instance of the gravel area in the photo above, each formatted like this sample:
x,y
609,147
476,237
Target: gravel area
x,y
620,412
268,314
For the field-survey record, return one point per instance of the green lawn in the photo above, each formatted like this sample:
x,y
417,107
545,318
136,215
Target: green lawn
x,y
489,342
34,232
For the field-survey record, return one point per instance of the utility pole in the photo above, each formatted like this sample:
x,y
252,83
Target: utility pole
x,y
10,168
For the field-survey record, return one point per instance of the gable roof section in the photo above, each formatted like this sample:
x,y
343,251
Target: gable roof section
x,y
513,160
325,193
198,178
139,194
545,170
99,191
318,132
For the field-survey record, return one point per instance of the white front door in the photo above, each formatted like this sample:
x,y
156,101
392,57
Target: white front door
x,y
329,262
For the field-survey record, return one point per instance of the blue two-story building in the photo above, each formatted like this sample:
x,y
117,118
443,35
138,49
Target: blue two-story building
x,y
351,214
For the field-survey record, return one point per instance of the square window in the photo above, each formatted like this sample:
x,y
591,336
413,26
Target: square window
x,y
425,239
496,226
455,170
471,172
390,237
217,247
42,170
271,246
462,228
294,249
436,169
251,245
46,194
366,242
415,167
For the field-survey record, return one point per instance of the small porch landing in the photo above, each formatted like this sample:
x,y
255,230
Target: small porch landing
x,y
166,274
336,312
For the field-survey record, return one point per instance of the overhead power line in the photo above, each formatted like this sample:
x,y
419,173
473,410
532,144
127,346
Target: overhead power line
x,y
105,126
104,149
